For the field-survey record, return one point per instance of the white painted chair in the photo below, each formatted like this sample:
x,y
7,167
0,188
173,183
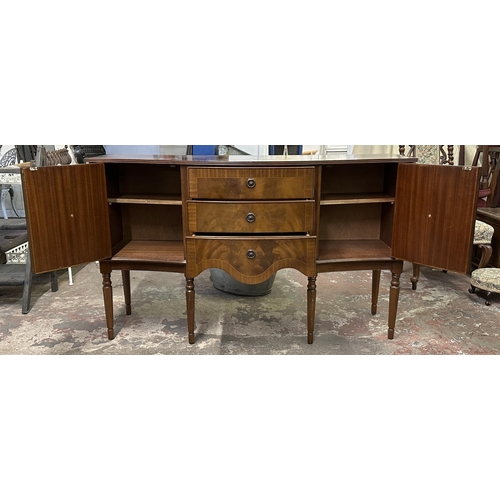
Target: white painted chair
x,y
6,180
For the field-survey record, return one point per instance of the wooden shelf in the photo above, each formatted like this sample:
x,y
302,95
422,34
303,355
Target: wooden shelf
x,y
152,251
356,198
352,250
147,199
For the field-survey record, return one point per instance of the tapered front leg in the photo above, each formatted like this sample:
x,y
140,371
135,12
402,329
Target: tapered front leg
x,y
126,291
311,308
107,292
375,289
190,308
393,304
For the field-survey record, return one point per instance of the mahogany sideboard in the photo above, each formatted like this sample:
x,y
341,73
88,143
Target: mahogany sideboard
x,y
251,216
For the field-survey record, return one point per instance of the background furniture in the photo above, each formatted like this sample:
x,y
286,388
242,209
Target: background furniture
x,y
487,280
280,150
251,216
489,192
15,261
491,216
8,159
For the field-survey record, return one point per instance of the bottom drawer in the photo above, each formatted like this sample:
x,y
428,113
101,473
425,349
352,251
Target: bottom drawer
x,y
251,260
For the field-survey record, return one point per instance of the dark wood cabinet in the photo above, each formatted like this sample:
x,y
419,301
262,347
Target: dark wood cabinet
x,y
67,215
251,216
438,203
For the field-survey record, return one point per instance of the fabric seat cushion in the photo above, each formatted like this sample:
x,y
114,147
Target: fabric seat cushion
x,y
486,278
483,233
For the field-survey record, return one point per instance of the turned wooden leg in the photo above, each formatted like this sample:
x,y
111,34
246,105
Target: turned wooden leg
x,y
472,289
126,291
375,289
311,308
190,308
107,292
393,304
415,277
451,155
488,295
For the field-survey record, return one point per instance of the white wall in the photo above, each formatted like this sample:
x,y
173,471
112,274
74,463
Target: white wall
x,y
132,150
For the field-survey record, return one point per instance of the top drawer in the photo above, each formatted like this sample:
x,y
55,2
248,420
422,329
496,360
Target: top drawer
x,y
212,183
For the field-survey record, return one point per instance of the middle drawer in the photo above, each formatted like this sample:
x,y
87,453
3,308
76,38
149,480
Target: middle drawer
x,y
257,217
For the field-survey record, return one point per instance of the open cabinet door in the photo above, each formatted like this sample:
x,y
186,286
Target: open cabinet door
x,y
434,215
67,215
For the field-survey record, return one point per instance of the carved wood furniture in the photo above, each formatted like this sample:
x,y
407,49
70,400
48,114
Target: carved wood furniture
x,y
250,216
491,216
489,193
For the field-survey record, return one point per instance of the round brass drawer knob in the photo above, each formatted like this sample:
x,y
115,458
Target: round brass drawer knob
x,y
251,254
250,217
251,183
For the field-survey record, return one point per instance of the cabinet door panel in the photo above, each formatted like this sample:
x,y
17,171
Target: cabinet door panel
x,y
434,215
67,215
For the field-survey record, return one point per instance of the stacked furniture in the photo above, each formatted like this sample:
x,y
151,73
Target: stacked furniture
x,y
15,262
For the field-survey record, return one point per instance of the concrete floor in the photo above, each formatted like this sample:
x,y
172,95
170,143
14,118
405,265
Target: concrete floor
x,y
440,317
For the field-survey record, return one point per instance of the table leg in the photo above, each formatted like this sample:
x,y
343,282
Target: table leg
x,y
126,291
107,292
190,308
311,307
375,289
393,304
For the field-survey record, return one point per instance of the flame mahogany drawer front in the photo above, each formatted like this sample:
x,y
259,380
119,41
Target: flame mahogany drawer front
x,y
251,183
251,260
244,217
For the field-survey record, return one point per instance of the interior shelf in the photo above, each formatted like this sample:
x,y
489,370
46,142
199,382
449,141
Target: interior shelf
x,y
147,199
156,251
353,250
354,198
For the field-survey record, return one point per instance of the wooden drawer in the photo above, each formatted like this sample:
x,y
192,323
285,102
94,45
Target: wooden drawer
x,y
213,183
251,260
259,217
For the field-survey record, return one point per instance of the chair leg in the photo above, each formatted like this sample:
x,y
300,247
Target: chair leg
x,y
416,275
3,195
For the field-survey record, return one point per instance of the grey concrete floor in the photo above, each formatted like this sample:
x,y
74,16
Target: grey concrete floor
x,y
440,317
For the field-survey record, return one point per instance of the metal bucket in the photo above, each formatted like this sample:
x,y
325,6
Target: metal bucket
x,y
226,283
